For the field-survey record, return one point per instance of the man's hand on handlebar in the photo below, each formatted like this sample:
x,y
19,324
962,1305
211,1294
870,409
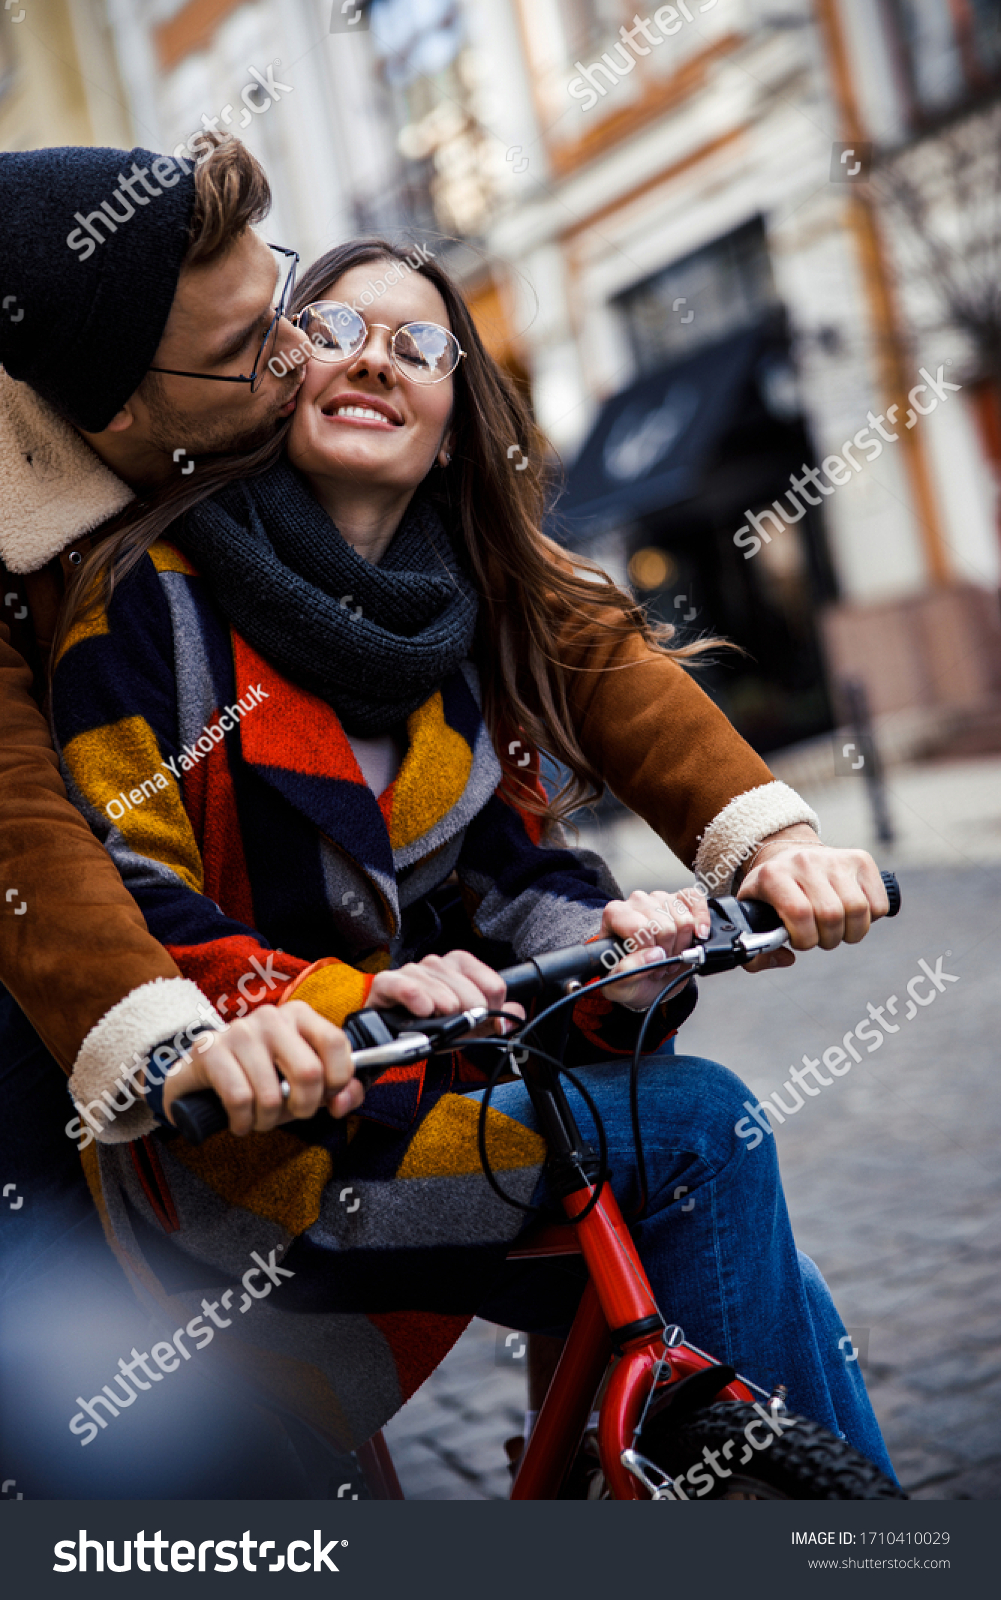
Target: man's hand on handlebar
x,y
823,895
660,924
239,1064
440,986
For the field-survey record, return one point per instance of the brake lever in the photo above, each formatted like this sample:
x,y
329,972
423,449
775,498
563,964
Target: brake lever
x,y
731,941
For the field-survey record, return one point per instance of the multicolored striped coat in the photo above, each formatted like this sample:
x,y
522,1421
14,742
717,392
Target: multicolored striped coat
x,y
234,809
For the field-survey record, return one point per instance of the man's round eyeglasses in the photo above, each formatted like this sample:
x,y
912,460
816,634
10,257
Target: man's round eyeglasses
x,y
266,350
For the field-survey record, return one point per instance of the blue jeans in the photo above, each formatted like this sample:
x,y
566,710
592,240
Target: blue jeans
x,y
716,1241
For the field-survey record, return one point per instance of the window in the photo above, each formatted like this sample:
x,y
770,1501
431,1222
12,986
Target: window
x,y
719,290
426,69
947,53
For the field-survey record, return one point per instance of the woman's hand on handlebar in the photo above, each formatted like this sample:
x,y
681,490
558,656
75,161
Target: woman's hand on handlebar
x,y
439,986
823,895
239,1064
659,925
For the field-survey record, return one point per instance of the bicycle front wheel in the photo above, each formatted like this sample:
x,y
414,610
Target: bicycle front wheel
x,y
726,1451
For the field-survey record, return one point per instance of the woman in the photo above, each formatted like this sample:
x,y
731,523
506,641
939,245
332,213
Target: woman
x,y
295,726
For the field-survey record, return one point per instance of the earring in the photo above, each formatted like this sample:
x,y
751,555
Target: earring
x,y
447,460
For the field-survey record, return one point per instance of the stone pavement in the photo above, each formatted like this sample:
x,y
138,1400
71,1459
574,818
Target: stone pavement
x,y
891,1175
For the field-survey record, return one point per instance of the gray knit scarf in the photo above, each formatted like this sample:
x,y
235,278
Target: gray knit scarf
x,y
373,641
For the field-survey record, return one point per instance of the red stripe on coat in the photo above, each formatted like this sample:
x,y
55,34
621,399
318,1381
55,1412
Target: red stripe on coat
x,y
290,728
210,801
218,966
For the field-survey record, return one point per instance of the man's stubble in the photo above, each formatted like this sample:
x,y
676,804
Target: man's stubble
x,y
172,429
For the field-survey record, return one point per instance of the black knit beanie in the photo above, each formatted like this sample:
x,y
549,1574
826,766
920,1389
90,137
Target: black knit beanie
x,y
91,246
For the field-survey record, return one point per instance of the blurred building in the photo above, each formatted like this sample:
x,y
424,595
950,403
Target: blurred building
x,y
710,237
59,76
713,240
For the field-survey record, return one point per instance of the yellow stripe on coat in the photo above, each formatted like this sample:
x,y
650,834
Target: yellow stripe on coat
x,y
433,776
444,1145
91,623
166,558
331,987
157,825
274,1175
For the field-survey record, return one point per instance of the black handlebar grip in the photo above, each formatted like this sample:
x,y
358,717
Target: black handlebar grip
x,y
762,918
198,1115
892,888
579,962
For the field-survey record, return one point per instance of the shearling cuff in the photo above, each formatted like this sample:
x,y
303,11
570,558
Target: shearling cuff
x,y
736,832
111,1106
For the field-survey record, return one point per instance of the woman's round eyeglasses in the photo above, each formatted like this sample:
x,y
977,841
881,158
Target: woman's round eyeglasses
x,y
422,352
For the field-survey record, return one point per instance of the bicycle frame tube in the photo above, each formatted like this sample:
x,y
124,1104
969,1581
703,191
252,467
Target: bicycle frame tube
x,y
617,1310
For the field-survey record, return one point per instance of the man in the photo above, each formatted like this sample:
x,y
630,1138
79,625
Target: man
x,y
183,284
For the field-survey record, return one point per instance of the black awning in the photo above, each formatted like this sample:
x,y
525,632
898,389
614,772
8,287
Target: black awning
x,y
650,443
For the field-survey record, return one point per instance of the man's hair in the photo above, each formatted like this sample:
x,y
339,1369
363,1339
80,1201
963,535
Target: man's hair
x,y
231,194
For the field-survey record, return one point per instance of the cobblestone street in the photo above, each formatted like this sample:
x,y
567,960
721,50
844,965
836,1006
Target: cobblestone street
x,y
893,1184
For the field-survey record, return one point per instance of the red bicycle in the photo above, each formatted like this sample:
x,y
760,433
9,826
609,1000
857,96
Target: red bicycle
x,y
662,1400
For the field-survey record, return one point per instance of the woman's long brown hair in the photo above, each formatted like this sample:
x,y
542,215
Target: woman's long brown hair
x,y
533,594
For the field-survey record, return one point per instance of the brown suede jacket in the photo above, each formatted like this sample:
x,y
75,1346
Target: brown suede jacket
x,y
74,949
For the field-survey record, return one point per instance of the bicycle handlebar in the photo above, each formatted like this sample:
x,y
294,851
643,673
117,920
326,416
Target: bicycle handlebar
x,y
739,930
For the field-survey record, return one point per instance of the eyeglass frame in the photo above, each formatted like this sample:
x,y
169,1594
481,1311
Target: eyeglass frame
x,y
426,384
280,311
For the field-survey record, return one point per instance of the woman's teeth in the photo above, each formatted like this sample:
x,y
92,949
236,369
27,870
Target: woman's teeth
x,y
361,411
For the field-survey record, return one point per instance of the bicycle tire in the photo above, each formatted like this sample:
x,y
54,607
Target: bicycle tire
x,y
806,1462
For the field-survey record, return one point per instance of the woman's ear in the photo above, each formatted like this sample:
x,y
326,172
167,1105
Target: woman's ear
x,y
444,455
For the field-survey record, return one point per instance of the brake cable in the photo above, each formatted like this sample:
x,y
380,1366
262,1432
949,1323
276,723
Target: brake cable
x,y
518,1040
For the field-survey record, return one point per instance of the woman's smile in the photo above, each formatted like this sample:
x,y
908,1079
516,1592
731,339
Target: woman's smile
x,y
362,410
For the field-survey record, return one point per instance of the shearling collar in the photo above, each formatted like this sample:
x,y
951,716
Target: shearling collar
x,y
53,488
